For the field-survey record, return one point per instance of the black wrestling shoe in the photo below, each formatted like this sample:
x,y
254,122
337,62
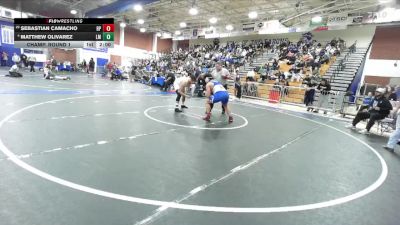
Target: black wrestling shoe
x,y
388,148
184,107
178,110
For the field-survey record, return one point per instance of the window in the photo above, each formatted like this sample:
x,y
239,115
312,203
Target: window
x,y
7,34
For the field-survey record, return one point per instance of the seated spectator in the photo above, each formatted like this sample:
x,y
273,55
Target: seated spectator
x,y
395,136
295,76
273,76
368,99
393,94
281,76
116,74
263,71
378,109
250,76
275,65
324,59
169,80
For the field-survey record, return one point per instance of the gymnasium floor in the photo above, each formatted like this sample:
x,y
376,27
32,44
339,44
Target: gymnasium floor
x,y
93,151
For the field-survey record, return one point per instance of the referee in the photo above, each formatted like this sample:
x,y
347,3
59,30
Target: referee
x,y
221,75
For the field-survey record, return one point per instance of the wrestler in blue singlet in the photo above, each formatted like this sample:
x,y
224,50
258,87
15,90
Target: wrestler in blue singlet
x,y
220,94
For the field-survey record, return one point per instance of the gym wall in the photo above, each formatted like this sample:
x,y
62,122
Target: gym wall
x,y
164,45
116,59
135,39
116,34
62,55
381,59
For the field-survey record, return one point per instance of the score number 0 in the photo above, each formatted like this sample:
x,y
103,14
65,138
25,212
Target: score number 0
x,y
108,27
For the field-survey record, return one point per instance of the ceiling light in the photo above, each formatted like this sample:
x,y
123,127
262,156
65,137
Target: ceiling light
x,y
166,35
182,24
229,27
122,24
138,7
178,32
142,29
193,11
140,21
253,15
384,1
159,34
73,12
213,20
275,11
316,19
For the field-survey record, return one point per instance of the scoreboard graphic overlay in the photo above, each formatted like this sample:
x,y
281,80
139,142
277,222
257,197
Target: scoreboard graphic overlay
x,y
64,33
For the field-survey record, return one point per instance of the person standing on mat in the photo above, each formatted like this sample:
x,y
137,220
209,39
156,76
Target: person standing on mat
x,y
91,67
395,136
180,86
323,101
379,109
53,64
215,92
221,75
16,59
32,61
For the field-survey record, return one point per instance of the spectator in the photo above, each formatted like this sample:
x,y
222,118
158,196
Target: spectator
x,y
116,74
91,67
32,61
132,74
4,59
285,86
323,101
53,63
16,59
393,94
238,85
250,76
109,67
367,101
295,76
84,66
24,59
395,136
169,80
379,109
309,93
264,71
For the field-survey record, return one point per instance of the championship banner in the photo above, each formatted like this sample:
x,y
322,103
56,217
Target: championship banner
x,y
338,20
